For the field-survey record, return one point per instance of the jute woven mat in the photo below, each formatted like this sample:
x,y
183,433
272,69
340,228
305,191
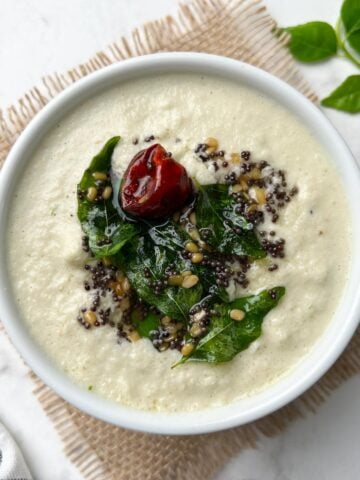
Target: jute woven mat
x,y
239,29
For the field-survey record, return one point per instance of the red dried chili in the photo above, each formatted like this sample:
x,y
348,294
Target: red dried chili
x,y
154,184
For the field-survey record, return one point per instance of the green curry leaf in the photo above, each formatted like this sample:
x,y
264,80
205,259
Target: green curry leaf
x,y
312,42
227,337
215,213
100,220
172,237
172,300
346,97
150,322
350,17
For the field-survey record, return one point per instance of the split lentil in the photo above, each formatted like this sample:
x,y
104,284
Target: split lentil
x,y
102,176
92,193
106,194
237,315
190,281
191,247
197,257
187,349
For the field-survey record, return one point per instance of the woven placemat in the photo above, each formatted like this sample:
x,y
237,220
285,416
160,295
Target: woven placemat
x,y
240,29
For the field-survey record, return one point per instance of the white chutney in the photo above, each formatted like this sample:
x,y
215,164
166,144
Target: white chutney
x,y
46,261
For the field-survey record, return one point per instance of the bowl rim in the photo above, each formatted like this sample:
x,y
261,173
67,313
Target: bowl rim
x,y
300,378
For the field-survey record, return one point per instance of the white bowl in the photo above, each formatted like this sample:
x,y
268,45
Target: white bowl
x,y
308,371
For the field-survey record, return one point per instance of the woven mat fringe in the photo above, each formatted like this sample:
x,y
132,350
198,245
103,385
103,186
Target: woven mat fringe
x,y
243,30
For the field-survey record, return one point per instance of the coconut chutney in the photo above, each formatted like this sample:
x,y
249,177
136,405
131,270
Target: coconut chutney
x,y
45,258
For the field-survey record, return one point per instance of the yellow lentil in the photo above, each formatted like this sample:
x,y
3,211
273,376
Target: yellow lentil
x,y
260,195
190,281
197,257
133,336
125,304
194,234
192,218
235,158
237,315
236,188
125,284
101,176
166,320
187,349
196,331
175,280
90,317
191,247
107,193
91,193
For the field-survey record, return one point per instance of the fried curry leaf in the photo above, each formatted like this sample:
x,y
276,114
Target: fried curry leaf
x,y
216,215
150,322
227,337
100,220
171,300
167,234
172,237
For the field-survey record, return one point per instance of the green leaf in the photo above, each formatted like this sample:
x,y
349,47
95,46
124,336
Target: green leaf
x,y
208,281
173,301
227,337
312,42
346,97
100,220
170,235
350,17
150,322
215,213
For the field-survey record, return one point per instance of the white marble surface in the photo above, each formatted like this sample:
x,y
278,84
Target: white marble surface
x,y
38,37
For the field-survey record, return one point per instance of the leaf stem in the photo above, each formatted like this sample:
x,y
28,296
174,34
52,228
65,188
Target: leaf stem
x,y
342,44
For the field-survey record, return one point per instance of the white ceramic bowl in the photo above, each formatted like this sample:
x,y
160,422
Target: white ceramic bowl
x,y
311,368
